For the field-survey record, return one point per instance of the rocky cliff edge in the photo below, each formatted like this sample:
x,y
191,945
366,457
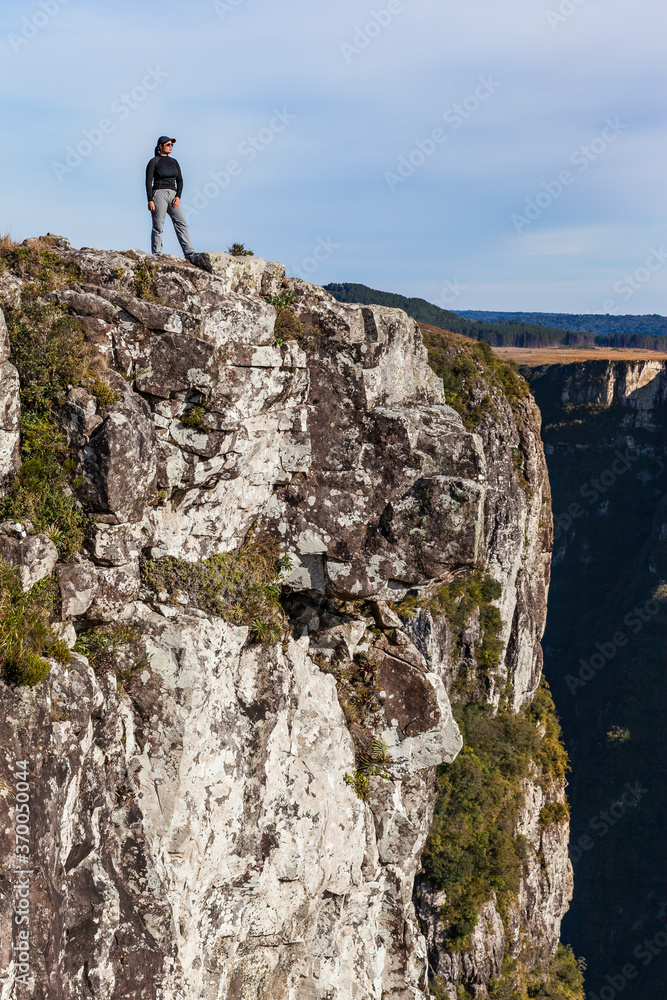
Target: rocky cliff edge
x,y
234,805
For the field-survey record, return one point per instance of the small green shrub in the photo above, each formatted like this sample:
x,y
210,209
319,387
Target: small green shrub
x,y
26,633
563,979
114,646
288,327
554,812
360,783
194,419
104,394
239,250
144,282
285,300
242,587
618,734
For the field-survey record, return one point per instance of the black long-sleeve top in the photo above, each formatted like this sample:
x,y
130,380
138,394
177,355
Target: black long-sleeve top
x,y
163,172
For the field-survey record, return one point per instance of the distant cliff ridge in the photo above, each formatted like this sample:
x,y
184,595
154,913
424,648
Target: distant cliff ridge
x,y
650,325
273,579
520,329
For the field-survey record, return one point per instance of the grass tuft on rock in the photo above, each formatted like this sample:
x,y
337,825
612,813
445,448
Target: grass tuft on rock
x,y
239,250
372,762
241,587
194,419
26,633
34,261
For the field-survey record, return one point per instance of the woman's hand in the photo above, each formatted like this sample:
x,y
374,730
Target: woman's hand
x,y
176,202
151,206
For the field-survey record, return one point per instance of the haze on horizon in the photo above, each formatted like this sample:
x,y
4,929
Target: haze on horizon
x,y
482,156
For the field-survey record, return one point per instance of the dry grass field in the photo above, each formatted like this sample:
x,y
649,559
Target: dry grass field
x,y
534,356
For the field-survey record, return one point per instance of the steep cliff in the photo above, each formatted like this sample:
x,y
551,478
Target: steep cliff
x,y
253,551
497,878
605,435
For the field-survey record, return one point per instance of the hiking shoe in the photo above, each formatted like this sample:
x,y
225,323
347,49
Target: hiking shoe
x,y
202,261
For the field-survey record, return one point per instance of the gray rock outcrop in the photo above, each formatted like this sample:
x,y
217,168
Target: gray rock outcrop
x,y
193,834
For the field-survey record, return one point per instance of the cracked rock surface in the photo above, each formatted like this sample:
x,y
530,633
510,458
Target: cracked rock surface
x,y
193,834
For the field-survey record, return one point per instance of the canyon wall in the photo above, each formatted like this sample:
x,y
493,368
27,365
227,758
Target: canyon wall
x,y
234,488
605,435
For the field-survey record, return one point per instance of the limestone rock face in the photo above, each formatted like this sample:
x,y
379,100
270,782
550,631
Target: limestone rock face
x,y
10,410
194,836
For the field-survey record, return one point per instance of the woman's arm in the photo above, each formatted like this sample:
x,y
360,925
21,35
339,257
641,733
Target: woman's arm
x,y
150,171
179,180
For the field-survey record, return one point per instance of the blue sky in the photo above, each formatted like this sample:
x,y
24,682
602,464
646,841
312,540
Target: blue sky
x,y
350,160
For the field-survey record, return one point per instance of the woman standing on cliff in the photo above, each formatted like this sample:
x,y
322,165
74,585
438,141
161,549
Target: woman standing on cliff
x,y
164,186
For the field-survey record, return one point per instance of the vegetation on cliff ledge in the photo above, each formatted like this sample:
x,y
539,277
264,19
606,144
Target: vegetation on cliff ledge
x,y
460,601
470,372
51,355
473,851
241,587
26,632
562,980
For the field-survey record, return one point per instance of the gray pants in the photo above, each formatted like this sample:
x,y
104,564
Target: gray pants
x,y
163,199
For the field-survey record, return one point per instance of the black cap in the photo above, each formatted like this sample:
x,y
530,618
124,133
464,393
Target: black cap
x,y
164,138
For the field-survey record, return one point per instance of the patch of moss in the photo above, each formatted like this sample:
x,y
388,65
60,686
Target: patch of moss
x,y
470,370
26,632
473,851
241,587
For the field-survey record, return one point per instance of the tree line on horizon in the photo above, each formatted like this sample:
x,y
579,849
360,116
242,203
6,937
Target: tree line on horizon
x,y
504,333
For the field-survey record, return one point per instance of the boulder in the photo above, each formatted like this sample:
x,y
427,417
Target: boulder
x,y
78,586
35,556
120,461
